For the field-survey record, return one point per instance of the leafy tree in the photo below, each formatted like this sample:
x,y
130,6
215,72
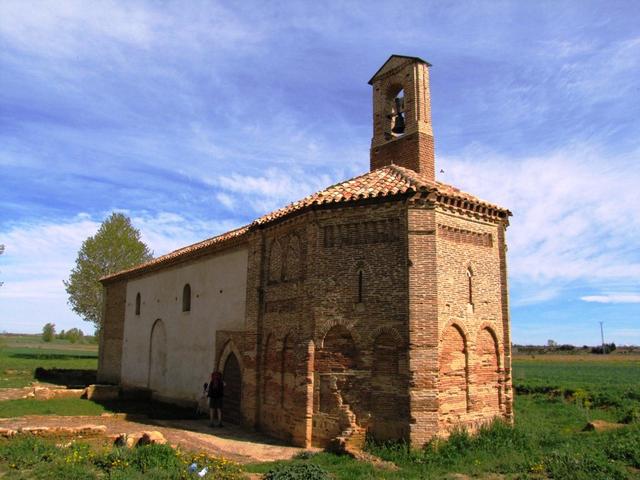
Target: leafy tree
x,y
116,246
48,332
74,335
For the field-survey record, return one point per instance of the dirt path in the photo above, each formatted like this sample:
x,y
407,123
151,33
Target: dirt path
x,y
231,441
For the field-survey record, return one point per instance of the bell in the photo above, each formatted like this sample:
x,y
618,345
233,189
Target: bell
x,y
398,124
398,119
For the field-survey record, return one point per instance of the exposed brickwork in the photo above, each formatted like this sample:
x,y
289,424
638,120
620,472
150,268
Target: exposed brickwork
x,y
465,236
379,304
414,151
415,148
110,355
470,310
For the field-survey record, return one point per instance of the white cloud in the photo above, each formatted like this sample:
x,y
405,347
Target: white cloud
x,y
274,189
575,212
612,298
40,255
226,200
608,72
535,295
67,28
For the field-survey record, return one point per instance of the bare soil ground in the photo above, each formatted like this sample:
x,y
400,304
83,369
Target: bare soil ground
x,y
231,441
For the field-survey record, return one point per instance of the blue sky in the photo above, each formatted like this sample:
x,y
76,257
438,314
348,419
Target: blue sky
x,y
196,117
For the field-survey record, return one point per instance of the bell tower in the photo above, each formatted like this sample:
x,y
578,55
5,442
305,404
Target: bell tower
x,y
402,132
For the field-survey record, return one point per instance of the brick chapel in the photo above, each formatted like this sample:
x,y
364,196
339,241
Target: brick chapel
x,y
377,305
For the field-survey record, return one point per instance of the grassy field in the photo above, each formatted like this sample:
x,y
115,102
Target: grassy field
x,y
557,395
21,355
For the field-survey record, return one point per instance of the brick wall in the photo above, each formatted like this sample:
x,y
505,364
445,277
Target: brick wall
x,y
367,318
473,385
415,148
110,354
423,321
333,323
414,151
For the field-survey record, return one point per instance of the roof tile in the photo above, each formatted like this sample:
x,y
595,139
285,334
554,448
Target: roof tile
x,y
390,180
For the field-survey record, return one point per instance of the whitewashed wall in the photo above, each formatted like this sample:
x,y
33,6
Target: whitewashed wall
x,y
218,292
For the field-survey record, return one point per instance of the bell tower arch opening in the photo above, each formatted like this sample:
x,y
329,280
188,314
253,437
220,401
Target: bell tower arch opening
x,y
402,131
395,121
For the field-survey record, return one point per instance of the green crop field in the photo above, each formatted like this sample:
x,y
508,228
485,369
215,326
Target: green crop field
x,y
556,396
20,355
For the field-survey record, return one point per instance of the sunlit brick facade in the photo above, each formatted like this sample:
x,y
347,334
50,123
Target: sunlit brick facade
x,y
377,305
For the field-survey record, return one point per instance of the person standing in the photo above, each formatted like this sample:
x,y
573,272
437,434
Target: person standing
x,y
216,395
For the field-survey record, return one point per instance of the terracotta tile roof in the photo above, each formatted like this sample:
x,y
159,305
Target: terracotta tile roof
x,y
383,182
179,253
378,183
387,181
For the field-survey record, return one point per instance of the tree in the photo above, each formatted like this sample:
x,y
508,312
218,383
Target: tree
x,y
74,335
116,246
48,332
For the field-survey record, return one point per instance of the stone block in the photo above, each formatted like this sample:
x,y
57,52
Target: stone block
x,y
100,393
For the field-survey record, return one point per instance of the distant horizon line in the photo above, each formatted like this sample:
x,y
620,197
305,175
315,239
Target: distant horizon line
x,y
557,347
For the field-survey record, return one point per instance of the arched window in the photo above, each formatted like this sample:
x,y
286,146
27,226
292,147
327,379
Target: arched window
x,y
292,260
138,303
186,298
275,262
360,285
469,286
395,112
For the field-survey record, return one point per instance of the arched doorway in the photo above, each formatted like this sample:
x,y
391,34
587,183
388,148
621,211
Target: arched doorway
x,y
232,376
157,357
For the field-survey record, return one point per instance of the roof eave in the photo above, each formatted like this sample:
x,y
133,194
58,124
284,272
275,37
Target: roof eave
x,y
417,59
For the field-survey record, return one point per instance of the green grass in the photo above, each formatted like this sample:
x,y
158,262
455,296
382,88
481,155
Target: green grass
x,y
56,406
592,372
27,457
607,387
557,396
546,441
21,355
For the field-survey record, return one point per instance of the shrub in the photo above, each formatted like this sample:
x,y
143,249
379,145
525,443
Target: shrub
x,y
631,415
48,332
297,471
625,446
304,455
26,451
66,471
581,466
150,457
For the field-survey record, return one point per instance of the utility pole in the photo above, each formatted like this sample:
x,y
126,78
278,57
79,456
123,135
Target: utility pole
x,y
602,337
